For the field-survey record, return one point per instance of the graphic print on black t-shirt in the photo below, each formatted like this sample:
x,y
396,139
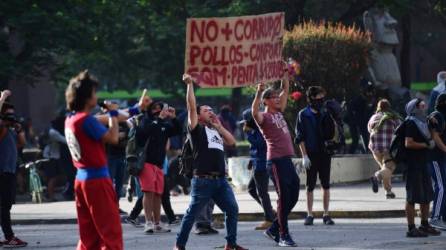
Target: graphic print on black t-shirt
x,y
208,144
214,139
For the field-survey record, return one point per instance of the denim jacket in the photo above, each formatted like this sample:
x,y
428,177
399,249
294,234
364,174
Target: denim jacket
x,y
257,150
308,130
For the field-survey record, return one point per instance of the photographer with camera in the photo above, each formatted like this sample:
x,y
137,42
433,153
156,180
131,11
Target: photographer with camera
x,y
11,137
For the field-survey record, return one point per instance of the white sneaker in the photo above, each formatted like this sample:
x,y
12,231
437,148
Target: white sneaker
x,y
148,228
160,229
438,223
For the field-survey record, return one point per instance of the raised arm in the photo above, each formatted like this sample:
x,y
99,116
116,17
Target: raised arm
x,y
3,95
125,114
285,89
192,117
112,134
255,107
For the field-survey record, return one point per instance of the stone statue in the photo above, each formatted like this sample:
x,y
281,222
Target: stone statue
x,y
383,69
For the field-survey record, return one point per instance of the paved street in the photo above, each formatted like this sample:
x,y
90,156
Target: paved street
x,y
347,234
347,201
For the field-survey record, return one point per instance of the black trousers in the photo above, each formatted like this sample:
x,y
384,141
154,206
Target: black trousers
x,y
7,198
286,181
165,200
258,189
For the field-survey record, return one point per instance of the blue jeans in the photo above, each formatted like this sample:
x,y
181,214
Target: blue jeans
x,y
202,190
116,165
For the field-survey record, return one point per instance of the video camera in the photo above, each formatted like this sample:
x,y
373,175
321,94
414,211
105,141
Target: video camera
x,y
11,118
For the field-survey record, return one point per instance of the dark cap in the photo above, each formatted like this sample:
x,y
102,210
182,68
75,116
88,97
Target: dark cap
x,y
268,93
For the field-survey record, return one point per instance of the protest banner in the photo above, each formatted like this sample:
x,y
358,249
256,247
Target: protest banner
x,y
235,51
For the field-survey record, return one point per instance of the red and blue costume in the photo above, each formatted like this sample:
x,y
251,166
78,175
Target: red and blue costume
x,y
97,210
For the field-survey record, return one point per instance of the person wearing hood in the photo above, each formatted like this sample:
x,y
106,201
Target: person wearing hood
x,y
418,141
153,135
439,89
438,161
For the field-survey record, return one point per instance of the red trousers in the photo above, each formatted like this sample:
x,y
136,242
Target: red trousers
x,y
98,215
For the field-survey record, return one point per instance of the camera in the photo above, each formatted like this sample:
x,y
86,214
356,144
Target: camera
x,y
9,117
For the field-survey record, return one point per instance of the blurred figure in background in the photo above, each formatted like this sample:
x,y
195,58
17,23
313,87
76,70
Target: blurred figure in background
x,y
439,89
229,122
11,138
359,109
258,185
381,127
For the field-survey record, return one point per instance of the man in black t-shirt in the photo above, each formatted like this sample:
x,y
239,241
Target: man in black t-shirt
x,y
208,182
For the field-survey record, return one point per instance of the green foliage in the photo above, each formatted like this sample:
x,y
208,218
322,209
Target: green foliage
x,y
130,44
331,55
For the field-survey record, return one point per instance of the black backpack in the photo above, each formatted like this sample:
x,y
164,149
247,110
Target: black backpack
x,y
397,150
134,154
186,159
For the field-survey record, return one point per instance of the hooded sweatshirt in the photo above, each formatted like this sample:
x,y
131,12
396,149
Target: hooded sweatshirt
x,y
439,89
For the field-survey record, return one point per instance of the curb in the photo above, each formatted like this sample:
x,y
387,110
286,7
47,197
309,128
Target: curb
x,y
247,217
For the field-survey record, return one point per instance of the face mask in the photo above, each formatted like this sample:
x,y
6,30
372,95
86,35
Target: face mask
x,y
420,114
317,104
442,108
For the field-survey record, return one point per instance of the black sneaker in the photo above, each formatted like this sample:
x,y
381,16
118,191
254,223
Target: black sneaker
x,y
176,221
272,235
134,222
415,233
122,212
429,230
327,220
286,241
205,231
390,195
212,231
375,184
309,221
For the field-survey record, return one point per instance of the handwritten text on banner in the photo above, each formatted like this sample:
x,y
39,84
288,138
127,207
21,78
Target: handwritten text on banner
x,y
234,51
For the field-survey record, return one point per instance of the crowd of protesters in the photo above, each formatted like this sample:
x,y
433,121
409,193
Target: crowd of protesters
x,y
88,150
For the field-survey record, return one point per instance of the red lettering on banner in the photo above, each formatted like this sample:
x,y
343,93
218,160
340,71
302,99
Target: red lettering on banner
x,y
211,37
238,34
196,31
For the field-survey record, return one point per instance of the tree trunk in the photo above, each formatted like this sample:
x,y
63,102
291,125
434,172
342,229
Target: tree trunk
x,y
405,50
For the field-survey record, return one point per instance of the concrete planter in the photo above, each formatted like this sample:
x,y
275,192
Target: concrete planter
x,y
344,169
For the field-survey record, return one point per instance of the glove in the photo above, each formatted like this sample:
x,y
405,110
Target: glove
x,y
306,163
299,168
431,144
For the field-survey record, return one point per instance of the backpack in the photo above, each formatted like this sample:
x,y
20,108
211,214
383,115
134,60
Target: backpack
x,y
332,127
134,154
187,157
397,150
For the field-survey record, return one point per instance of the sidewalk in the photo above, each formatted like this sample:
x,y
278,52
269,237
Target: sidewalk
x,y
347,201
